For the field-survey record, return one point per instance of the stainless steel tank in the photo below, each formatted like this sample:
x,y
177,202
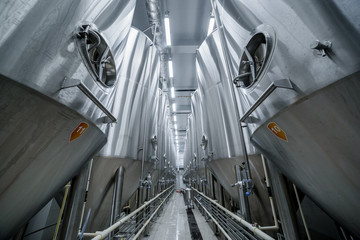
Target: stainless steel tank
x,y
222,129
199,137
130,140
166,161
310,132
48,132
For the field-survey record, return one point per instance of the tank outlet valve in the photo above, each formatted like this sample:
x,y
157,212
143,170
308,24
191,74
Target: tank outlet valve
x,y
321,46
240,183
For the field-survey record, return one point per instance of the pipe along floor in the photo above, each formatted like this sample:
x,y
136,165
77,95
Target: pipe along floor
x,y
176,222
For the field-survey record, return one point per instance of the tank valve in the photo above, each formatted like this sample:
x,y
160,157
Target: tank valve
x,y
237,183
321,46
245,182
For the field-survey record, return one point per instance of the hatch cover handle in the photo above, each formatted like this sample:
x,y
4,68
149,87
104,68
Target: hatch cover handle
x,y
282,83
77,83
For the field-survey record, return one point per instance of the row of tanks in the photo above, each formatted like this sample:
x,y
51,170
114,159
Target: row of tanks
x,y
290,69
77,82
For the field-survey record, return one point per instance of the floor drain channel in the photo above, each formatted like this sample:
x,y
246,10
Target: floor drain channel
x,y
194,229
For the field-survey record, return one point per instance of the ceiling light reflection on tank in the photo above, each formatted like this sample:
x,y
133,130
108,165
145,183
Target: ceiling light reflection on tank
x,y
171,71
211,25
174,107
172,91
175,118
167,31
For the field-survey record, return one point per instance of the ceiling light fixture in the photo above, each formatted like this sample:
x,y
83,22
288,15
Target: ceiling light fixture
x,y
175,126
171,71
174,107
175,118
167,31
172,91
211,25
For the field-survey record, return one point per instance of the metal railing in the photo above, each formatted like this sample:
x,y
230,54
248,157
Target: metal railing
x,y
133,225
230,224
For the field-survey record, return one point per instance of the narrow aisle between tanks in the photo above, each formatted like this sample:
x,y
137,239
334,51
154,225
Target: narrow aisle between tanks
x,y
173,222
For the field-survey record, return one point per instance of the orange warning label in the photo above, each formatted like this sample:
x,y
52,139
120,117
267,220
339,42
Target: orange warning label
x,y
78,131
277,131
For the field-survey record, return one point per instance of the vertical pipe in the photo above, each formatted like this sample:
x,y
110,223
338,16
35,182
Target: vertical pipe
x,y
286,213
301,213
73,214
119,190
244,205
117,195
67,186
231,75
220,193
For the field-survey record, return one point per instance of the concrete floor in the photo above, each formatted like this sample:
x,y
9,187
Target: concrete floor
x,y
173,223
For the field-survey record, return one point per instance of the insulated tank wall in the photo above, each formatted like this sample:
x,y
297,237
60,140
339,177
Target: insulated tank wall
x,y
222,129
129,141
38,117
320,117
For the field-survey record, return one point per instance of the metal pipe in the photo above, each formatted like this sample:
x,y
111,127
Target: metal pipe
x,y
67,186
230,75
119,189
282,83
249,226
77,83
276,224
214,220
102,234
285,209
85,199
73,213
117,195
244,205
301,213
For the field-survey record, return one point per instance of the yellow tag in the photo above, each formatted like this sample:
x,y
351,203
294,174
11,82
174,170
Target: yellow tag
x,y
277,131
78,131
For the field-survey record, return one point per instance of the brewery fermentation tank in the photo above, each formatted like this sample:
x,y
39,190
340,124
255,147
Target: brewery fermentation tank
x,y
308,131
130,141
221,131
54,99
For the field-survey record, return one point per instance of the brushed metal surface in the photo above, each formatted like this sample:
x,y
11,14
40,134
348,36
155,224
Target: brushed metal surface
x,y
321,155
220,127
38,40
37,157
292,27
323,103
129,141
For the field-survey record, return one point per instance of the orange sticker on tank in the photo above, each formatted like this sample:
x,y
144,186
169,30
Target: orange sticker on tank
x,y
277,131
78,131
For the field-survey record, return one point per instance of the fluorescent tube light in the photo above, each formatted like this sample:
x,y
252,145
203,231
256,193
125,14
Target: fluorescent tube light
x,y
167,31
171,71
172,92
174,107
174,117
211,25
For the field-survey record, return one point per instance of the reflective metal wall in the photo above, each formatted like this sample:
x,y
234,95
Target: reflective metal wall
x,y
40,121
129,141
320,116
222,130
